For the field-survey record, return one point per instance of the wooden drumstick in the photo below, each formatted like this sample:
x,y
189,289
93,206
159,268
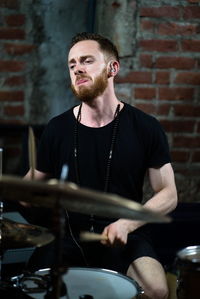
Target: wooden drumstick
x,y
32,152
92,237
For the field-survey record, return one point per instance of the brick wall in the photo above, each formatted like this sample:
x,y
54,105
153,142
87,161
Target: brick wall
x,y
15,49
161,76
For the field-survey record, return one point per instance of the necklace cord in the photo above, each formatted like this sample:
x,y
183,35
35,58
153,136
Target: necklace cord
x,y
110,155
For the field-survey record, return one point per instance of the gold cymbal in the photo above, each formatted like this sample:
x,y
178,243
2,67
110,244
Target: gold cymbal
x,y
75,199
20,235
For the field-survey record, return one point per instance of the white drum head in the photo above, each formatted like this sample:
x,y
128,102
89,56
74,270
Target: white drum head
x,y
97,283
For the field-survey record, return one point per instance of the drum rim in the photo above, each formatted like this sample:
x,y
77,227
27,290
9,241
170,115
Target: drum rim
x,y
185,253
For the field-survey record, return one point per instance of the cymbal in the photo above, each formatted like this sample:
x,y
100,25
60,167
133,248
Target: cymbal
x,y
75,199
20,235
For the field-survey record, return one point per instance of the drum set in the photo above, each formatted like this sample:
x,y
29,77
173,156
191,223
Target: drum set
x,y
73,283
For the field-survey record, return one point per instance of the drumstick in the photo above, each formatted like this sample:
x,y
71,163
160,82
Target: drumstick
x,y
92,237
31,152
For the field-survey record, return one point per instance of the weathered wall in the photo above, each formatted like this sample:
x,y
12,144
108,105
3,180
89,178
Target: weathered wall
x,y
34,81
34,36
159,44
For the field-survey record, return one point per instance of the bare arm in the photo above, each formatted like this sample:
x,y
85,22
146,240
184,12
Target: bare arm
x,y
163,201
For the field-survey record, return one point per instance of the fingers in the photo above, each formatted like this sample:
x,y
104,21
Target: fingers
x,y
114,237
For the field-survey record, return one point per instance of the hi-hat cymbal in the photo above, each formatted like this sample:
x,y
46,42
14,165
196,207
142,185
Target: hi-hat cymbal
x,y
20,235
75,199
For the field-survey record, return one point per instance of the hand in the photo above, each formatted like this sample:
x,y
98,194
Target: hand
x,y
117,233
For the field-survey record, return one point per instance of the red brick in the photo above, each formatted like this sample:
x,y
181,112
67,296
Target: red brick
x,y
146,93
162,78
187,110
147,25
188,78
15,80
14,49
14,110
191,12
175,62
196,156
146,107
13,4
135,77
160,12
12,33
175,93
15,20
11,66
158,45
163,109
12,120
146,60
191,45
180,156
174,29
188,142
178,125
12,96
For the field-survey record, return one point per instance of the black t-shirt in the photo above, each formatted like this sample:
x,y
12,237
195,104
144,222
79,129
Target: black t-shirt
x,y
140,144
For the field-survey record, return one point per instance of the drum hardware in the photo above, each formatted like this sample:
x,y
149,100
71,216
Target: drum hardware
x,y
188,272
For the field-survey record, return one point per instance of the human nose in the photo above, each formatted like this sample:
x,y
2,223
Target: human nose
x,y
78,69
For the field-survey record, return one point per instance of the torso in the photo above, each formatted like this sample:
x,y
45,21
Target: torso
x,y
130,157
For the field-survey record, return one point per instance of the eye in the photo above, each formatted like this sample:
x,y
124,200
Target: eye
x,y
88,61
71,67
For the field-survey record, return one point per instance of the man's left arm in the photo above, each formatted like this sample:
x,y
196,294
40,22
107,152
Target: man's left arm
x,y
163,201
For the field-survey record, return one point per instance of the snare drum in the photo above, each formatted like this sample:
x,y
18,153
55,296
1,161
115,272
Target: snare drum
x,y
188,266
85,283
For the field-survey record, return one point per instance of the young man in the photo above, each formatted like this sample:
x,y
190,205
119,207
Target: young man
x,y
109,146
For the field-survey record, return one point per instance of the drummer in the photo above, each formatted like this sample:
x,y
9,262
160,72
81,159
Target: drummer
x,y
109,146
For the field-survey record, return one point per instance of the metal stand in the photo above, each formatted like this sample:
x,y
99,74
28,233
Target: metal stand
x,y
57,286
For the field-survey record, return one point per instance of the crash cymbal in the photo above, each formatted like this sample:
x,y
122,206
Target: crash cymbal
x,y
75,199
20,235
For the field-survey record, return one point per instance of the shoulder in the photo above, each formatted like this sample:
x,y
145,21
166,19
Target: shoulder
x,y
142,119
63,120
63,117
59,124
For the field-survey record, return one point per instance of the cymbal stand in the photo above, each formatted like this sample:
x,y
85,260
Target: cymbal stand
x,y
1,216
59,230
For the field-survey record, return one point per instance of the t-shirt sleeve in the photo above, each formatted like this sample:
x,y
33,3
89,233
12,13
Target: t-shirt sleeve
x,y
44,152
158,151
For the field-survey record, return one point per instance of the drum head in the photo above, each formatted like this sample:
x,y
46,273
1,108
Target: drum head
x,y
95,284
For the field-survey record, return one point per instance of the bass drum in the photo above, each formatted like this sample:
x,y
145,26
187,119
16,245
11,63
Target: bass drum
x,y
83,283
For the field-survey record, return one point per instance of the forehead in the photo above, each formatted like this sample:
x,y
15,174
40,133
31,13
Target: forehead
x,y
85,48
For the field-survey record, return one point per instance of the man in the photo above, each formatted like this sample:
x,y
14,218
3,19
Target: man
x,y
109,146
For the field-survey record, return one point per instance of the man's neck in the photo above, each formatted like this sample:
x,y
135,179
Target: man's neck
x,y
98,113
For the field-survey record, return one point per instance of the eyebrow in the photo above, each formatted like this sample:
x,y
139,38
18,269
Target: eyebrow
x,y
82,58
